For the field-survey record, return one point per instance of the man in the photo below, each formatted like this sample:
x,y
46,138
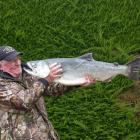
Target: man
x,y
22,109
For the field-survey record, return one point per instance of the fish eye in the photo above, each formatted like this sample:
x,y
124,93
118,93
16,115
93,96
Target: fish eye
x,y
34,65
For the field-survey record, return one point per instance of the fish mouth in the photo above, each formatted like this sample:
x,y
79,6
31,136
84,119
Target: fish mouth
x,y
29,70
29,67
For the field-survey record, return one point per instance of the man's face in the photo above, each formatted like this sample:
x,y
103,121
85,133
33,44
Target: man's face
x,y
12,67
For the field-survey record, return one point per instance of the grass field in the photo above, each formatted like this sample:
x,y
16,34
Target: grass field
x,y
110,29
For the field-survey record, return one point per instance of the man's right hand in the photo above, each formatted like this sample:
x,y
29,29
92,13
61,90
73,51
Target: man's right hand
x,y
55,72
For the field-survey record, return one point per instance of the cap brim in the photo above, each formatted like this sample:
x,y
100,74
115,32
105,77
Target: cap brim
x,y
12,56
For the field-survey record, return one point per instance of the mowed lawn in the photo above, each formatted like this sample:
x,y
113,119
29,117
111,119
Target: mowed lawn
x,y
110,29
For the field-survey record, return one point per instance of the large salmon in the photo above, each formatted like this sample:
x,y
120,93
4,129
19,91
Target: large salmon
x,y
75,69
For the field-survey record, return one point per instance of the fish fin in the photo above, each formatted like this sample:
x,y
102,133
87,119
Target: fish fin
x,y
134,69
87,56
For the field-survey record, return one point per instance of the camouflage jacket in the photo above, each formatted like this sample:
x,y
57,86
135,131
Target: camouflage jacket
x,y
22,111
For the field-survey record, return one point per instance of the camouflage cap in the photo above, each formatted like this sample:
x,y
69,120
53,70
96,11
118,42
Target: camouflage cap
x,y
8,53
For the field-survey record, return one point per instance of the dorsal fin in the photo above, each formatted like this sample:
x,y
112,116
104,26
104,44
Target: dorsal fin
x,y
87,56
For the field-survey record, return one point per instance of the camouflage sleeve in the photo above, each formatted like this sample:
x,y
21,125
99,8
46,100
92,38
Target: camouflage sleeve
x,y
56,89
20,99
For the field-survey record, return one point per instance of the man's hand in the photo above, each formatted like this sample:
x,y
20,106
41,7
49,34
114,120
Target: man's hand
x,y
55,72
88,80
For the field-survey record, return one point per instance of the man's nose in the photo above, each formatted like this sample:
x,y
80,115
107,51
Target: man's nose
x,y
18,62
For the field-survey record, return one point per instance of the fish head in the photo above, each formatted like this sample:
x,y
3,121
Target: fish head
x,y
38,68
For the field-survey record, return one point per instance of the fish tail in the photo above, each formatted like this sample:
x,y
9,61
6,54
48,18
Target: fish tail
x,y
134,67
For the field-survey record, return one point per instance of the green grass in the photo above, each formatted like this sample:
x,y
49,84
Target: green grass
x,y
110,29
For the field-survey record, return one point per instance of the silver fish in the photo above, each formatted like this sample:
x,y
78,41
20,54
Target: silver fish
x,y
75,69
